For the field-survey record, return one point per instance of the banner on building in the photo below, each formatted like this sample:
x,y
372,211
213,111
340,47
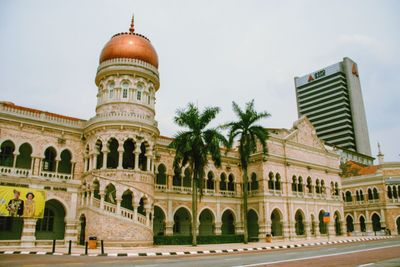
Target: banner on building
x,y
22,202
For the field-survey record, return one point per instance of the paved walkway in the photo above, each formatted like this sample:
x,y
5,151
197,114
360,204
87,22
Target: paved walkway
x,y
168,250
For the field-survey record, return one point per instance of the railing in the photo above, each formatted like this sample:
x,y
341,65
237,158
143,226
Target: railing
x,y
14,171
131,175
109,207
372,201
56,175
394,200
209,191
141,218
161,187
227,193
253,192
127,213
41,115
275,192
182,189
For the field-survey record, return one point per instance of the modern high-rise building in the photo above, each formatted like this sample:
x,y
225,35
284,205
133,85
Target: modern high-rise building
x,y
331,98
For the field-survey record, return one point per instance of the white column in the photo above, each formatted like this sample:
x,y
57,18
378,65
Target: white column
x,y
15,155
118,210
120,156
137,153
105,154
28,233
101,199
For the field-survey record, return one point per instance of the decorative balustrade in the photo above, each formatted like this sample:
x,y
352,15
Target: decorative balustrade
x,y
182,189
227,193
141,218
96,203
209,191
125,175
14,171
129,116
161,187
12,109
57,175
109,207
275,192
127,213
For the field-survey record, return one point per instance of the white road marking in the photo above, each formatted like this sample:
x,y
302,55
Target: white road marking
x,y
315,257
367,264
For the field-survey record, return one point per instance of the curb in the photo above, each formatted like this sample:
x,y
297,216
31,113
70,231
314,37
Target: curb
x,y
180,253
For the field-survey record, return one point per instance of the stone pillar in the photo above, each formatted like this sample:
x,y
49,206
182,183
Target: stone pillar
x,y
135,211
15,155
57,163
331,229
120,156
73,169
118,204
33,161
148,211
101,193
286,232
28,233
71,232
149,156
169,181
137,153
90,197
136,160
153,163
39,165
85,169
218,230
105,154
83,199
169,228
95,160
307,228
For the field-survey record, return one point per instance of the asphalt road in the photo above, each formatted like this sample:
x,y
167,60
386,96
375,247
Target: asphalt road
x,y
380,253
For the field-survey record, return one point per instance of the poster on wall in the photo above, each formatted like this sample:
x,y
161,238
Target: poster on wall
x,y
22,202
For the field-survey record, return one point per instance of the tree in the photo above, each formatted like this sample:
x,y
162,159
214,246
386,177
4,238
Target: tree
x,y
248,134
193,146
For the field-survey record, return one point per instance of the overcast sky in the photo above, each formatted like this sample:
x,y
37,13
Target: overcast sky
x,y
210,53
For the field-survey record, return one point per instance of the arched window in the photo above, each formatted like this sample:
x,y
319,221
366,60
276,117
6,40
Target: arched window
x,y
389,192
125,87
309,185
210,180
370,196
161,174
231,182
348,196
361,195
49,161
128,157
65,165
336,189
395,195
317,187
376,194
112,156
139,92
278,182
111,90
222,182
271,181
323,187
141,208
294,184
299,224
7,154
376,223
363,227
176,179
100,156
24,159
357,196
300,185
254,182
143,157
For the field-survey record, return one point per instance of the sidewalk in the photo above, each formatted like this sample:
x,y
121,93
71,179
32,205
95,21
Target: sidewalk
x,y
169,250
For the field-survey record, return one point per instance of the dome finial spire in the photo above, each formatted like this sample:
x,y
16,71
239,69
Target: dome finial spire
x,y
132,28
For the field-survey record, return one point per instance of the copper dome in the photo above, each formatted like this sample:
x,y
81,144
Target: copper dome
x,y
130,45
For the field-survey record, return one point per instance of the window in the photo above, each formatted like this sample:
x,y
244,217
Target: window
x,y
125,86
111,90
148,99
139,95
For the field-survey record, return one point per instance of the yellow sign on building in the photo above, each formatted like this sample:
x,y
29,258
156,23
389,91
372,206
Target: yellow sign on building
x,y
22,202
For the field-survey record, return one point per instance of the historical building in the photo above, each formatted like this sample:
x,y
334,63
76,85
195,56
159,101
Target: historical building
x,y
371,196
332,99
111,176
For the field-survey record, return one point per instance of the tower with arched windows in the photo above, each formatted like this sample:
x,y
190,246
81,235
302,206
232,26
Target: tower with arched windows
x,y
120,139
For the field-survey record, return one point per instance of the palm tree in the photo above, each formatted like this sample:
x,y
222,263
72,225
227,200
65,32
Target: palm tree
x,y
247,133
193,145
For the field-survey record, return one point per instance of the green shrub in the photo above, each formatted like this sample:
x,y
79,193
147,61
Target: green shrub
x,y
187,240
